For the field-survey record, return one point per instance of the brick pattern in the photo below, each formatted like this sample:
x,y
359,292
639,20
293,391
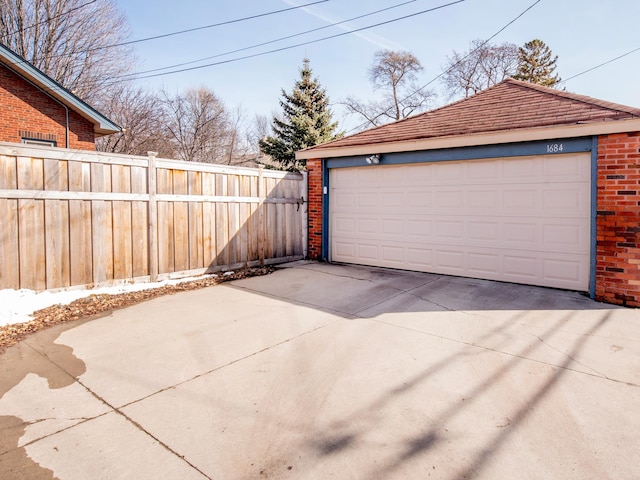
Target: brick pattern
x,y
618,219
314,175
25,108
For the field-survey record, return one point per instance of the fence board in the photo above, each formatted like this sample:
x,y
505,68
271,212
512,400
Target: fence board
x,y
102,236
80,218
208,222
9,247
196,253
166,257
80,243
122,226
139,224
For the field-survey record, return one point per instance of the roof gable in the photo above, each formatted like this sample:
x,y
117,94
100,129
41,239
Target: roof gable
x,y
102,125
510,105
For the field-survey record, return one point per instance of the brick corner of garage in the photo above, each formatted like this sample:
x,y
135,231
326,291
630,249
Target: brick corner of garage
x,y
314,177
618,219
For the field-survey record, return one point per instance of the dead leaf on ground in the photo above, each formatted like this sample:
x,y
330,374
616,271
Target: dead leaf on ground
x,y
98,304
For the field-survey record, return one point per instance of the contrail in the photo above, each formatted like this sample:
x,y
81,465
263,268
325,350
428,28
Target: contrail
x,y
376,40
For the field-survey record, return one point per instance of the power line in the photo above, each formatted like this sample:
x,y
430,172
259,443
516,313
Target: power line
x,y
299,44
600,65
28,27
274,40
228,22
452,66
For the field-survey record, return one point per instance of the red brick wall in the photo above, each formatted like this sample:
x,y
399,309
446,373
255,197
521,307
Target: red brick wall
x,y
618,219
314,172
27,112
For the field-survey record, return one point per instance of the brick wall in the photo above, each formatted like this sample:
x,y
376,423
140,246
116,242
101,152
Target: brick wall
x,y
26,111
314,172
618,219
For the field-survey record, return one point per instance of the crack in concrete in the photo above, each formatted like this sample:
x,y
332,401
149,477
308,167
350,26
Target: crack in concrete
x,y
138,426
400,292
475,345
232,362
567,355
114,410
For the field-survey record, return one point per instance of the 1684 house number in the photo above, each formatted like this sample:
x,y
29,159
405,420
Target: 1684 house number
x,y
554,148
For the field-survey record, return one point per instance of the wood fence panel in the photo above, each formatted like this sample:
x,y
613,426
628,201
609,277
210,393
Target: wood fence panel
x,y
31,224
102,247
9,246
196,252
208,222
166,256
181,222
139,224
102,224
122,224
80,233
79,219
56,212
233,189
289,219
222,225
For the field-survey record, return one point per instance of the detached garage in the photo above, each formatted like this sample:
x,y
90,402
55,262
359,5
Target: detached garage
x,y
518,183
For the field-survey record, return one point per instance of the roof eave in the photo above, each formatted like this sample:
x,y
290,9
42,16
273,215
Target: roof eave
x,y
101,124
470,140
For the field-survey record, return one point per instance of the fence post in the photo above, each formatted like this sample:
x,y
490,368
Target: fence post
x,y
261,215
153,218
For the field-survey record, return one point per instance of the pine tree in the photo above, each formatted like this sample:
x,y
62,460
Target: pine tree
x,y
306,121
536,65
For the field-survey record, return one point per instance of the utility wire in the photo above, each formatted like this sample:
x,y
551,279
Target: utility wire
x,y
362,125
600,65
228,22
296,45
28,27
275,40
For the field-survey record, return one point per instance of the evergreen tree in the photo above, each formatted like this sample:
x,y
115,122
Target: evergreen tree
x,y
305,121
536,64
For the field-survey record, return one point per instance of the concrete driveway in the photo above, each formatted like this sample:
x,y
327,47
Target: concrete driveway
x,y
326,371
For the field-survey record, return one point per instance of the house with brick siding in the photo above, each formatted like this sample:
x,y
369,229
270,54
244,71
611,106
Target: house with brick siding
x,y
35,109
518,183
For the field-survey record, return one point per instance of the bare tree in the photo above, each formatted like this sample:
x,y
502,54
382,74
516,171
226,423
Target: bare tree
x,y
72,41
395,75
139,114
198,123
480,67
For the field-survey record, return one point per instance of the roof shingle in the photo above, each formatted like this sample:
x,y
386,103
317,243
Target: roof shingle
x,y
506,106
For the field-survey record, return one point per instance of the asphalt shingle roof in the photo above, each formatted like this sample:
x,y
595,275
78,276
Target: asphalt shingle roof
x,y
506,106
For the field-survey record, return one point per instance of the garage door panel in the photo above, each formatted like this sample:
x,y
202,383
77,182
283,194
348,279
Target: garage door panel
x,y
484,263
368,252
567,168
524,220
484,231
344,225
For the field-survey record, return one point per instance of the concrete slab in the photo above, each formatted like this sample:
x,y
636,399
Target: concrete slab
x,y
331,371
136,352
109,447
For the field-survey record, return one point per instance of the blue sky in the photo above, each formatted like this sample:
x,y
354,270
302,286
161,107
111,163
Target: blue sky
x,y
583,33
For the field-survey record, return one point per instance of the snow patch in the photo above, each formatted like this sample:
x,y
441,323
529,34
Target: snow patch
x,y
17,306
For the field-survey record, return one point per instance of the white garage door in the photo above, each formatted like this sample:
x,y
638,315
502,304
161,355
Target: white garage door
x,y
521,219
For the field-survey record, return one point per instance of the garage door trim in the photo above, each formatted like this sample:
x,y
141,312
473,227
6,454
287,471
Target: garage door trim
x,y
537,148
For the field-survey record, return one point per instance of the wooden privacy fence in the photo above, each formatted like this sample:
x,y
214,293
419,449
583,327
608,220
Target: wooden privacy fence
x,y
70,217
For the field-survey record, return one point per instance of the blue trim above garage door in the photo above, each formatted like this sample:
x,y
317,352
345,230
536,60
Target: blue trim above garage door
x,y
547,147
